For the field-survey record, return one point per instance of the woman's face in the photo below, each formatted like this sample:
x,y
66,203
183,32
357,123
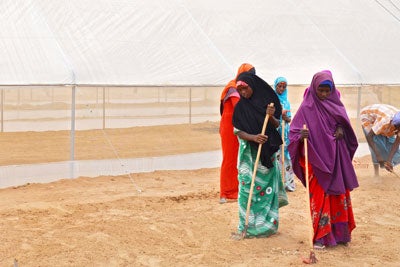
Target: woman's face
x,y
323,92
280,88
245,91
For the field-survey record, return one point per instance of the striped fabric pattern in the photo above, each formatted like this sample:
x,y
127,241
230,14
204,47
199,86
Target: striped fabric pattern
x,y
377,117
268,193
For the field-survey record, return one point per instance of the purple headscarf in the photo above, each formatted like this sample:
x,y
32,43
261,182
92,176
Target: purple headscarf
x,y
330,159
328,72
396,119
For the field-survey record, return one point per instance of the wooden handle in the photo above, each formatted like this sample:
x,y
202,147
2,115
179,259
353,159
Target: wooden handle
x,y
255,168
266,120
283,152
311,232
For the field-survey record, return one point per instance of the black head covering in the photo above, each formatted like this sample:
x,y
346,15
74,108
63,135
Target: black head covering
x,y
249,115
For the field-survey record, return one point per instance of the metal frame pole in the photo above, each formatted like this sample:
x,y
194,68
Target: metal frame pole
x,y
72,133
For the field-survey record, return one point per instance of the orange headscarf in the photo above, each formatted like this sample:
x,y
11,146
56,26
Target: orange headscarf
x,y
243,68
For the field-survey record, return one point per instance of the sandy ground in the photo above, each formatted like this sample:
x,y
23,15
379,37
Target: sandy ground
x,y
176,219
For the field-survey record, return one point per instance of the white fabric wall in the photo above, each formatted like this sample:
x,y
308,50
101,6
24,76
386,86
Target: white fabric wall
x,y
197,42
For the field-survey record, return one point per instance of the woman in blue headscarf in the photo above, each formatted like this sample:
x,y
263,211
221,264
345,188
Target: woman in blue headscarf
x,y
280,87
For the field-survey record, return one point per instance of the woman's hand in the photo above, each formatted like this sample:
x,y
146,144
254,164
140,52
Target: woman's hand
x,y
285,117
304,133
339,133
271,110
388,166
260,138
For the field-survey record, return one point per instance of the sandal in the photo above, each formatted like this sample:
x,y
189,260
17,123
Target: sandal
x,y
222,200
318,246
237,236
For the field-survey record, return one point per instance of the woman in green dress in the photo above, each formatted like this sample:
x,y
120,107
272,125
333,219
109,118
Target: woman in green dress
x,y
268,192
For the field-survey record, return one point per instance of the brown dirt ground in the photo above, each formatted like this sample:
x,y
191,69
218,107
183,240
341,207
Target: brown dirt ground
x,y
176,220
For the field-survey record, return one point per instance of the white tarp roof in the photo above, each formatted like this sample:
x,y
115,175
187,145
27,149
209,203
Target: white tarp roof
x,y
197,42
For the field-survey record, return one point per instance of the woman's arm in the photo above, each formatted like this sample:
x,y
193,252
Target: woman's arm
x,y
272,119
257,138
370,140
393,150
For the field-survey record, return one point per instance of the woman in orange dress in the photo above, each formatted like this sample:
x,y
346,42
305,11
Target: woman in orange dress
x,y
229,141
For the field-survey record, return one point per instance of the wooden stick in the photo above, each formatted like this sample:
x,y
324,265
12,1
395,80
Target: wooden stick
x,y
283,151
253,178
312,258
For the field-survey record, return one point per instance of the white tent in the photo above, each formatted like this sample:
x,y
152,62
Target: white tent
x,y
197,42
159,43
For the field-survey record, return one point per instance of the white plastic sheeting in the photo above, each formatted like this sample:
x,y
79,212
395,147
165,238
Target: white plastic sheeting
x,y
16,175
197,42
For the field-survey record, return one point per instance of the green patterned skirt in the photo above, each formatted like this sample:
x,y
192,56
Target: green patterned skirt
x,y
267,197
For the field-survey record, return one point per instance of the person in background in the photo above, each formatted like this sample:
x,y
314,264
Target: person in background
x,y
332,144
268,193
381,126
280,87
229,142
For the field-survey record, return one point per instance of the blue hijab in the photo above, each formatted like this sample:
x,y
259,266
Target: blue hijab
x,y
283,98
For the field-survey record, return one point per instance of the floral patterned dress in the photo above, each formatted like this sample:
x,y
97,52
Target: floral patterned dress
x,y
267,197
332,215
